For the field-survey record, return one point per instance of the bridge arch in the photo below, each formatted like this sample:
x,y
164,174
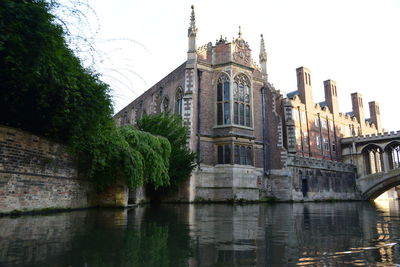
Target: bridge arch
x,y
374,185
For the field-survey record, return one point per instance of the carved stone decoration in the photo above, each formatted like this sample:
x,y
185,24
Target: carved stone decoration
x,y
242,51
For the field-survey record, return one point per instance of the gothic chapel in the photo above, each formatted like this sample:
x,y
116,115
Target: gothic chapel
x,y
244,131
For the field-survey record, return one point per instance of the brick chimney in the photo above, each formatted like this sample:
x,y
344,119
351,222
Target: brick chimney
x,y
375,114
304,86
358,109
331,98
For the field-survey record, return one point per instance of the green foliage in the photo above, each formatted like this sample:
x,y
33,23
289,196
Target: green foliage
x,y
148,158
44,89
182,160
137,157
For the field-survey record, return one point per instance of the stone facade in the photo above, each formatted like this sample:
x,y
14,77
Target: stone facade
x,y
310,179
315,129
38,174
246,132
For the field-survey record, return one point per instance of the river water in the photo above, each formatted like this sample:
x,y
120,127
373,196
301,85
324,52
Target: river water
x,y
214,235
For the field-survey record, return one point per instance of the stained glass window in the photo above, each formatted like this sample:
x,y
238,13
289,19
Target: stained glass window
x,y
223,100
242,101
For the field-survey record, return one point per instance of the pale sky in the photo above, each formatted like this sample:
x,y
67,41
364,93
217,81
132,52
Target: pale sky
x,y
354,42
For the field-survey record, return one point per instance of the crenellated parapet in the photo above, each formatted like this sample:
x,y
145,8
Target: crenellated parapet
x,y
312,163
373,137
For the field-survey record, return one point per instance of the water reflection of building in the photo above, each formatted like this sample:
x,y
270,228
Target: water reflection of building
x,y
317,234
292,234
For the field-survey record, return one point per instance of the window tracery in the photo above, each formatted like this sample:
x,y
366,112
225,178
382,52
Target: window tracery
x,y
242,103
237,154
223,100
179,102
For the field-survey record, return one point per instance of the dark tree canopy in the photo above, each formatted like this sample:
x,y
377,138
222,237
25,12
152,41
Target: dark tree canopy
x,y
45,89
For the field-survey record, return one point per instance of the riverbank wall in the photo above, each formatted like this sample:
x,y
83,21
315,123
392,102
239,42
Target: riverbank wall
x,y
37,174
309,179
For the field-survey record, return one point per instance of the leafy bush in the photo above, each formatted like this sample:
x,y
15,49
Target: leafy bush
x,y
182,160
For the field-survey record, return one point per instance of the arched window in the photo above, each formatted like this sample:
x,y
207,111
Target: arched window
x,y
165,104
179,102
393,153
242,103
373,159
223,100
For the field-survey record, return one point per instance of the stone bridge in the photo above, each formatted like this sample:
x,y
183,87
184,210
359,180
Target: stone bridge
x,y
371,186
377,158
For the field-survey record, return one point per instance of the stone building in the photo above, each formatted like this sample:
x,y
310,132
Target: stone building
x,y
244,131
315,129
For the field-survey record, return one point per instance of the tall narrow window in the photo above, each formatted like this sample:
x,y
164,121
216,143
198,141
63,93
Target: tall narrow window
x,y
326,144
165,104
220,154
317,122
242,101
227,158
224,154
323,123
249,158
242,155
223,100
236,113
237,157
179,102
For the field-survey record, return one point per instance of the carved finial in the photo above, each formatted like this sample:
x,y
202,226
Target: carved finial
x,y
221,40
263,53
240,32
263,58
192,27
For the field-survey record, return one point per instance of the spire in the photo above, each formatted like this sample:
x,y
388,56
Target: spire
x,y
240,32
263,58
192,31
192,26
263,53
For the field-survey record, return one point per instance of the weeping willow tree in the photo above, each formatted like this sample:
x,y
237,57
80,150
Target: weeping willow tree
x,y
182,160
135,157
147,160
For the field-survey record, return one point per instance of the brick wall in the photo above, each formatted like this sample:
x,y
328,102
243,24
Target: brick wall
x,y
36,173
